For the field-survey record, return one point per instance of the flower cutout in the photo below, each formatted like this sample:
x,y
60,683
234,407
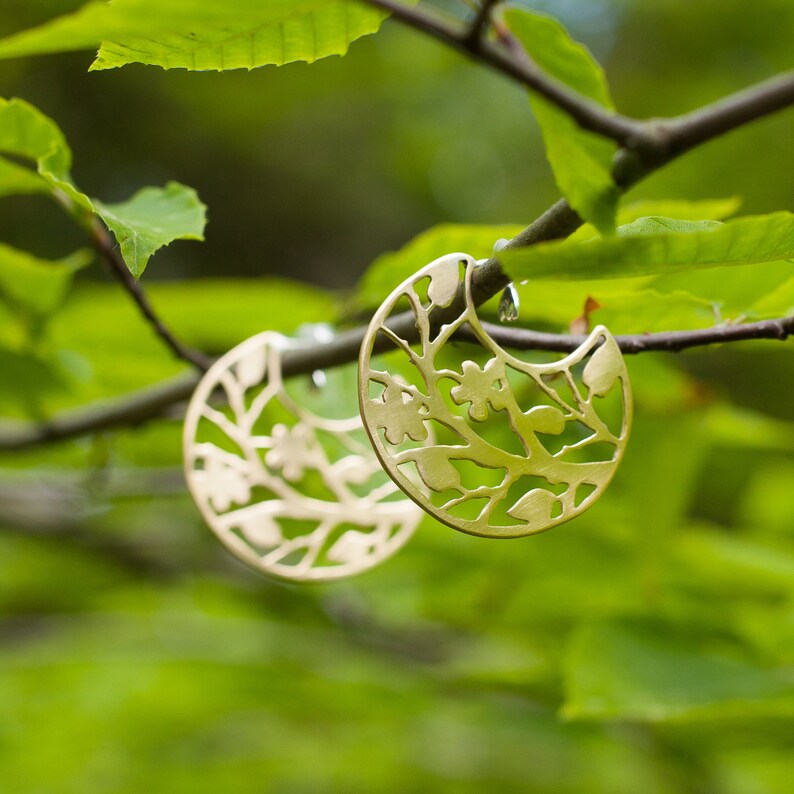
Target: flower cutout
x,y
292,450
481,387
226,485
401,413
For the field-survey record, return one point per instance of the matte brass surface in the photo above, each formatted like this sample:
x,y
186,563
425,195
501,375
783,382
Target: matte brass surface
x,y
562,451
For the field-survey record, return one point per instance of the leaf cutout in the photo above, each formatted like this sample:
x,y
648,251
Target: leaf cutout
x,y
534,507
250,370
262,530
436,470
353,469
444,282
603,369
351,546
543,419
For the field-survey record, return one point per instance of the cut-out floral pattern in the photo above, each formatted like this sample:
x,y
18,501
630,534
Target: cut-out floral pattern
x,y
293,450
277,500
481,388
565,403
401,413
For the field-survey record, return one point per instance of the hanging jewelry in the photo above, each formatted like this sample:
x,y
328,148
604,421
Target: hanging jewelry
x,y
293,494
492,445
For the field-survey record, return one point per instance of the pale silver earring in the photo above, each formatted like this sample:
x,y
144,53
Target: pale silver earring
x,y
294,494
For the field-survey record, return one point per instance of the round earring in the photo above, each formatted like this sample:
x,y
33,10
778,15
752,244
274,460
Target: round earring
x,y
492,445
293,493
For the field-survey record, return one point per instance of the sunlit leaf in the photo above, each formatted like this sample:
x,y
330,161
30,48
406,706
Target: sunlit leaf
x,y
640,250
695,210
202,35
581,161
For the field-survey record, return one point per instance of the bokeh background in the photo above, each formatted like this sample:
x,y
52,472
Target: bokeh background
x,y
645,647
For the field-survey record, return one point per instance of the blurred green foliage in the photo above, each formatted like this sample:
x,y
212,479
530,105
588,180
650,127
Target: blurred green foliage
x,y
646,646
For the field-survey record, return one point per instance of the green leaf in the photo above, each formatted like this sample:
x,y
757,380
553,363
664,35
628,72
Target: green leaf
x,y
581,161
27,133
152,218
393,267
619,672
37,286
203,34
711,209
16,180
639,250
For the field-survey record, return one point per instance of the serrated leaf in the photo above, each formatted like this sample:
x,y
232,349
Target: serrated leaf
x,y
391,268
37,285
151,219
620,672
203,34
637,251
581,161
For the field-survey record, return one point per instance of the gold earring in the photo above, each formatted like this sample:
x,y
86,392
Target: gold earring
x,y
294,494
494,445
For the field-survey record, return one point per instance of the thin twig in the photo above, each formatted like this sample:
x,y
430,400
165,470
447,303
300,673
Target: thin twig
x,y
480,23
104,244
667,139
156,401
132,409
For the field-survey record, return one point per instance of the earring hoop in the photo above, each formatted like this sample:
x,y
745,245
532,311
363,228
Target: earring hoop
x,y
294,494
521,447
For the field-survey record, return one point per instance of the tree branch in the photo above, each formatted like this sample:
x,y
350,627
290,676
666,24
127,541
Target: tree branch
x,y
344,349
662,140
132,409
104,244
691,129
480,23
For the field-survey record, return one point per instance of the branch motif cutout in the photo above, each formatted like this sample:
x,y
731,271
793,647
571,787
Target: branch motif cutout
x,y
493,446
295,495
